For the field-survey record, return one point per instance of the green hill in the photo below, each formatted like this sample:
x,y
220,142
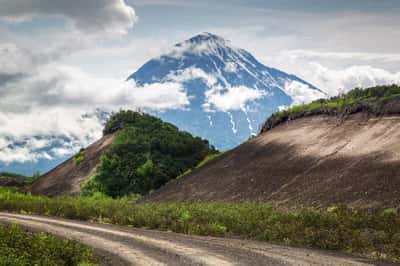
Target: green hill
x,y
138,153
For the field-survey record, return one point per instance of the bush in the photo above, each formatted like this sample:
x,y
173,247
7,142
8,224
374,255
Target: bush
x,y
18,247
145,154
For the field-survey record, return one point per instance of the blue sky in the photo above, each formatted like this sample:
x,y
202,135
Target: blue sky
x,y
59,59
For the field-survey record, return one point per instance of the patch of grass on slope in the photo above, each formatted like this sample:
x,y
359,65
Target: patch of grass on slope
x,y
375,100
206,160
21,248
80,156
364,232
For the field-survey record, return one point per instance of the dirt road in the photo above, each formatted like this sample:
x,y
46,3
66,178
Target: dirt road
x,y
127,246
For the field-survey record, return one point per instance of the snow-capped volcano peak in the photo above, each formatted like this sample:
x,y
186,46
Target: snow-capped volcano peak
x,y
201,44
205,37
230,92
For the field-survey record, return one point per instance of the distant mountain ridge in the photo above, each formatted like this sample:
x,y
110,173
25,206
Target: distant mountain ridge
x,y
231,93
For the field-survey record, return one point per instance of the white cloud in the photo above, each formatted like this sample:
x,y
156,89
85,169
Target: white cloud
x,y
331,72
35,143
94,16
159,96
231,98
301,93
219,98
191,74
332,81
307,54
18,154
28,150
62,151
58,91
351,77
14,59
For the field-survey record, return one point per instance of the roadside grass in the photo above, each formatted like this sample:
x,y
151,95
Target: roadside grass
x,y
21,248
370,233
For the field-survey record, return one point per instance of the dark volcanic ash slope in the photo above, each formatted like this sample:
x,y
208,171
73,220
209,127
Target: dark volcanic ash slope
x,y
313,161
67,178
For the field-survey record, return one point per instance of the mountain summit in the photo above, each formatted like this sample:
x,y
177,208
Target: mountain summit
x,y
230,92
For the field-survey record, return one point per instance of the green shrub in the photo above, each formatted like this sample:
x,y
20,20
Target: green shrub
x,y
145,154
390,212
18,247
80,156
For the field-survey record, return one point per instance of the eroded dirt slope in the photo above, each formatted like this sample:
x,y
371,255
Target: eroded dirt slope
x,y
67,178
312,161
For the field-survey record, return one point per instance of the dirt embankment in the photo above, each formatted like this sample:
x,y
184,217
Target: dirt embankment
x,y
67,178
372,108
312,161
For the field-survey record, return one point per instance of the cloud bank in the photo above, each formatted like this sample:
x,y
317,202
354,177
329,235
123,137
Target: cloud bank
x,y
334,72
93,16
58,102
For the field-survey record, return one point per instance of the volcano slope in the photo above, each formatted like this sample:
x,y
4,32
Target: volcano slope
x,y
68,177
318,160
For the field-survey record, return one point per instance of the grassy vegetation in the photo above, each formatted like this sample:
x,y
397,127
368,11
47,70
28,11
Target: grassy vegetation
x,y
209,158
374,234
203,162
79,157
374,100
377,94
145,155
21,248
